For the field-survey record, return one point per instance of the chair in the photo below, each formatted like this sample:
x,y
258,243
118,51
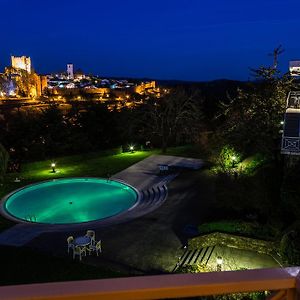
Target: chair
x,y
71,244
92,235
79,251
97,247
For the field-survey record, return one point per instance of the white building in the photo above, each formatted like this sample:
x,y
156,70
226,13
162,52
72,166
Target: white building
x,y
70,71
294,67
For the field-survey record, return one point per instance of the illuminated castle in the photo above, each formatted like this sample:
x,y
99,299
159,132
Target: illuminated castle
x,y
145,87
21,62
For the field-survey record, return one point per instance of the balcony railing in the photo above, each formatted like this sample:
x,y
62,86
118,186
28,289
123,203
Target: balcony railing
x,y
290,145
285,284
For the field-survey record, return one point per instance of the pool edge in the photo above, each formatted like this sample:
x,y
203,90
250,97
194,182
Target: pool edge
x,y
94,223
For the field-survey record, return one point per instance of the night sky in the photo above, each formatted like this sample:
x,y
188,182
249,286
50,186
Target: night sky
x,y
162,39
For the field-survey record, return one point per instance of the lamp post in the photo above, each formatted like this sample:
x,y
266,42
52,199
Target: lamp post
x,y
131,149
219,263
53,165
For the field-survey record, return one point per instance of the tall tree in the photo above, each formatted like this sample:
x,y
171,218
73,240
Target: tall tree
x,y
176,117
253,117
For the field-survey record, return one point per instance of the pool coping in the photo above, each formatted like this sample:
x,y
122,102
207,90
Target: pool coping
x,y
114,219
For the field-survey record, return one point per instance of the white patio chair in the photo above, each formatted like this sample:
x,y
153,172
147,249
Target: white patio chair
x,y
97,247
71,244
92,235
79,251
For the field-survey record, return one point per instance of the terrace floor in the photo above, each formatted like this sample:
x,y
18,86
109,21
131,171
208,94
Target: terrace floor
x,y
152,243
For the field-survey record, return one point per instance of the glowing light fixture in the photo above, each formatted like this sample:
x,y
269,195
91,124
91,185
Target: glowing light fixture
x,y
219,263
53,165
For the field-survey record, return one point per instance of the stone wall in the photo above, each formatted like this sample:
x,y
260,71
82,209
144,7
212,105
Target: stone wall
x,y
233,241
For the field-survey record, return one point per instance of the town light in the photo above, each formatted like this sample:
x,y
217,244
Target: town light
x,y
281,122
53,165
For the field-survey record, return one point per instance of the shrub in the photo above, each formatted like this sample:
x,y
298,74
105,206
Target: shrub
x,y
227,159
3,161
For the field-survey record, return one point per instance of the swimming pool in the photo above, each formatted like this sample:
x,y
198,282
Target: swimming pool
x,y
70,201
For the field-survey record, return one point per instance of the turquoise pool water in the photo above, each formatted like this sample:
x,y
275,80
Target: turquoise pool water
x,y
73,200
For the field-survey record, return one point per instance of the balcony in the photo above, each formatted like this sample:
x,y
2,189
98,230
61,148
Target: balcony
x,y
291,131
283,283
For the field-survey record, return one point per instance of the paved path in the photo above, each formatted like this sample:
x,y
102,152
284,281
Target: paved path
x,y
20,234
144,174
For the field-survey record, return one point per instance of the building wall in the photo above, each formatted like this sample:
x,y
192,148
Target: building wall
x,y
70,71
77,91
144,86
21,62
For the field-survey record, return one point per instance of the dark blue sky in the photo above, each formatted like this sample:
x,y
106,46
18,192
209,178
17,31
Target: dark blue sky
x,y
167,39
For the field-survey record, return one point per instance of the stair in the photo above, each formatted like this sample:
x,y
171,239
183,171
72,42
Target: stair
x,y
196,256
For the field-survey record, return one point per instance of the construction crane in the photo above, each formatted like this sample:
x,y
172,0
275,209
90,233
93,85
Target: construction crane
x,y
276,52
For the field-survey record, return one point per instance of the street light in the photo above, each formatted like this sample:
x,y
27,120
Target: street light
x,y
219,263
131,148
53,165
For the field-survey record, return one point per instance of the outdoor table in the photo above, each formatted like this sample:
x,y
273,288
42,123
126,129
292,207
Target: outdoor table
x,y
82,241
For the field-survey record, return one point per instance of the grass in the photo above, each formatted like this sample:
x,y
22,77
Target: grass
x,y
27,266
72,166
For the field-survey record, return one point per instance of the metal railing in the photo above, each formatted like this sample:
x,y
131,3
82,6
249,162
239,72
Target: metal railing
x,y
285,282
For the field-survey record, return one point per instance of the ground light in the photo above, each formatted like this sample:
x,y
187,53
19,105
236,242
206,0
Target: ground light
x,y
233,160
53,165
219,263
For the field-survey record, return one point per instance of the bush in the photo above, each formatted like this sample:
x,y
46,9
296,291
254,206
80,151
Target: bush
x,y
196,268
238,227
3,161
290,245
250,165
227,159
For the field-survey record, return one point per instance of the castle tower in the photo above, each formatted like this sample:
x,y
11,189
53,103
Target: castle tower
x,y
70,71
21,62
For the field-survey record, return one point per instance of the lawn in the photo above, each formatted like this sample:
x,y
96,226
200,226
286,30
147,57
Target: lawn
x,y
92,164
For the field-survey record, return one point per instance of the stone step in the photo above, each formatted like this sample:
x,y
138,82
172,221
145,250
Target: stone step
x,y
191,257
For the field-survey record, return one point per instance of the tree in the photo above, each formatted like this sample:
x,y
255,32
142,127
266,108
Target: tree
x,y
253,117
6,84
25,81
176,117
3,161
